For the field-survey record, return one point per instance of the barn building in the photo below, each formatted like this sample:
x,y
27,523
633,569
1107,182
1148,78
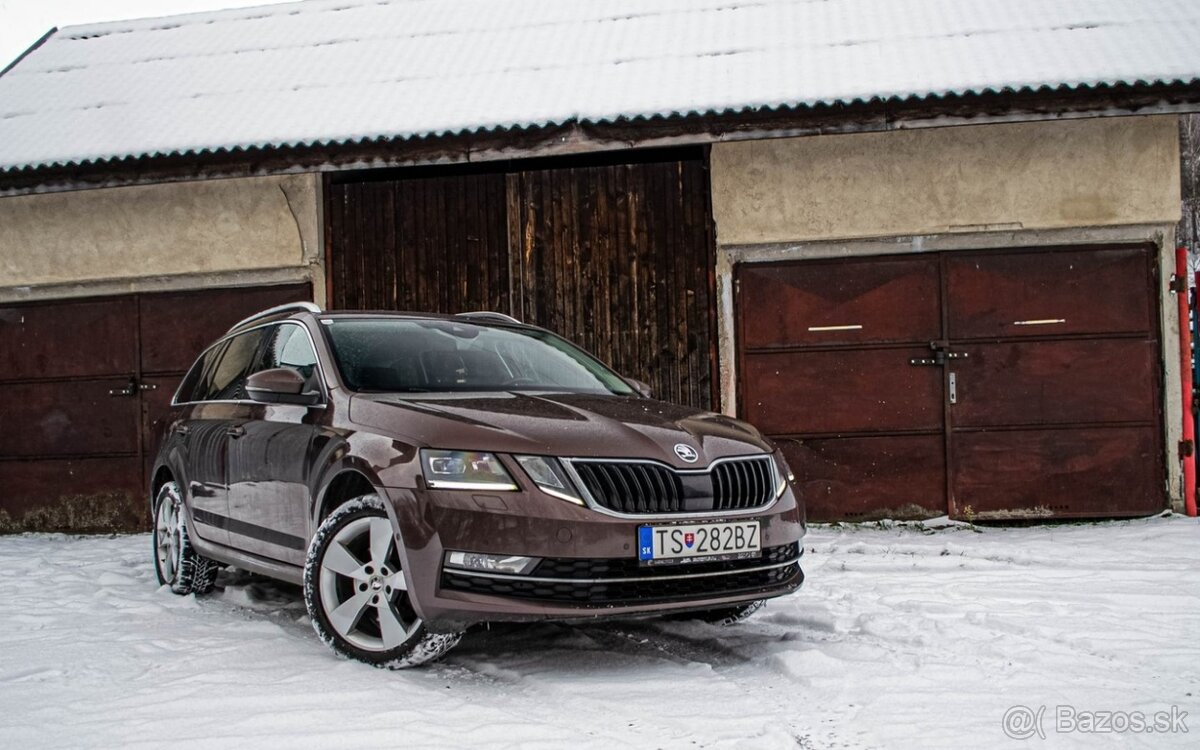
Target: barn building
x,y
925,245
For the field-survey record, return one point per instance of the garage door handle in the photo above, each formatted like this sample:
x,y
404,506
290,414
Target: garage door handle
x,y
235,431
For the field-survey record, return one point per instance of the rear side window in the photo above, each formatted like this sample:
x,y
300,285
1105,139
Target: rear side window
x,y
227,381
197,382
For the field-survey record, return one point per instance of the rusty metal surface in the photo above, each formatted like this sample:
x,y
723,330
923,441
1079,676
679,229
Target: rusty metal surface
x,y
1058,473
84,385
616,256
101,340
1029,294
868,477
844,391
1055,362
824,350
864,301
1059,411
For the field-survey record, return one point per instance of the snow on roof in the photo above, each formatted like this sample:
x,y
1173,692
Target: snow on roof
x,y
338,71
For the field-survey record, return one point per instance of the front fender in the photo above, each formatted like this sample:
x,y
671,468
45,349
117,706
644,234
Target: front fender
x,y
382,461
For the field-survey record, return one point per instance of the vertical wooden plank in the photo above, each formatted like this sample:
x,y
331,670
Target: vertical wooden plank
x,y
410,207
514,222
497,230
708,240
614,254
337,233
374,246
476,282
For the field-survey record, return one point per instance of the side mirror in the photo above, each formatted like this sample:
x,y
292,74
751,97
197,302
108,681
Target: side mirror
x,y
281,385
642,388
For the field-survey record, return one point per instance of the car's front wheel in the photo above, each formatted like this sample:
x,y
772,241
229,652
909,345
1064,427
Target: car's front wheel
x,y
357,594
176,562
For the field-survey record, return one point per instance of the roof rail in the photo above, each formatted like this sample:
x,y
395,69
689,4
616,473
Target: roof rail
x,y
277,309
488,315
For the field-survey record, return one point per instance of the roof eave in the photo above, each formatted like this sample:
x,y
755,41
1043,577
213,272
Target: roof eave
x,y
575,137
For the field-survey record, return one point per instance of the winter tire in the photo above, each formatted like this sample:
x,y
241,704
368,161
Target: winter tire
x,y
176,563
357,594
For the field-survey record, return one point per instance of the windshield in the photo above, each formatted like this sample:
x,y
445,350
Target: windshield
x,y
419,356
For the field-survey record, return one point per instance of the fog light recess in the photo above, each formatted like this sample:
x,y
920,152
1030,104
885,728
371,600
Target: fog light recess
x,y
480,561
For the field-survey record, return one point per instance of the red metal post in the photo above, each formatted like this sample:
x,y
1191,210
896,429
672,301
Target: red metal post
x,y
1185,380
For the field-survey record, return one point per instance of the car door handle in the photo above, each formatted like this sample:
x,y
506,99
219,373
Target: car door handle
x,y
235,431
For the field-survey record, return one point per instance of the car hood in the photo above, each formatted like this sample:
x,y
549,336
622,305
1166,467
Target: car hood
x,y
559,424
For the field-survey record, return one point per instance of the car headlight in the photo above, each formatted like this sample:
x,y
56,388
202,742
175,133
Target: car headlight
x,y
548,475
465,470
783,474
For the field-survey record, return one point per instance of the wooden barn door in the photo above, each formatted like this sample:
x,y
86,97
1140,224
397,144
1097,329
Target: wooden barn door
x,y
989,385
615,255
618,258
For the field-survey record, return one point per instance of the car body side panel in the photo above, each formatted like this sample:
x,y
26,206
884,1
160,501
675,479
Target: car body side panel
x,y
207,489
269,460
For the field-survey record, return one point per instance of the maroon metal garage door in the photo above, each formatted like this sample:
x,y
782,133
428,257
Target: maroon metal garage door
x,y
83,387
1010,384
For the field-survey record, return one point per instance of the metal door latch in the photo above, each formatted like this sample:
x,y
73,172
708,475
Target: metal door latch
x,y
941,353
953,389
131,388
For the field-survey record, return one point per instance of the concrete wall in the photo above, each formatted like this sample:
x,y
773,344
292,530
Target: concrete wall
x,y
150,238
1072,173
1110,180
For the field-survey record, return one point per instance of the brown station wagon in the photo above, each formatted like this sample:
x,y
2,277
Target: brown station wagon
x,y
419,474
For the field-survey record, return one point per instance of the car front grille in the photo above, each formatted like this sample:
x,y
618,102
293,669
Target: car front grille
x,y
621,581
645,487
738,485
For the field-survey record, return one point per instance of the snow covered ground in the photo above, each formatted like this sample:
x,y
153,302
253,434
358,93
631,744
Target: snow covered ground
x,y
902,637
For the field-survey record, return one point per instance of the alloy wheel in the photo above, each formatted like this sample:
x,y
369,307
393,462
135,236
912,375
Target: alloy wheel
x,y
168,530
362,588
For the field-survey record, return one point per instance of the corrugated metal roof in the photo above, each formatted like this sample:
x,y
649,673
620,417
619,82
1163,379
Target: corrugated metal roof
x,y
336,71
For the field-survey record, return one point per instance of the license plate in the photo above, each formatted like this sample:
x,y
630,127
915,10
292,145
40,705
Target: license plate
x,y
700,542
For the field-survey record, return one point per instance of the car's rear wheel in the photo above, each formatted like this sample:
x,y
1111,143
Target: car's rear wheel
x,y
357,593
177,564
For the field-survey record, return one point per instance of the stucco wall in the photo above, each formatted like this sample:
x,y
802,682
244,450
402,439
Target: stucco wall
x,y
1044,175
167,230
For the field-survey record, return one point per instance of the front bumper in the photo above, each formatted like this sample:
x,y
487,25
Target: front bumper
x,y
588,565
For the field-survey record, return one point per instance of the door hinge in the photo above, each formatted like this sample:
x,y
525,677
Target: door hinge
x,y
1186,448
1178,284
